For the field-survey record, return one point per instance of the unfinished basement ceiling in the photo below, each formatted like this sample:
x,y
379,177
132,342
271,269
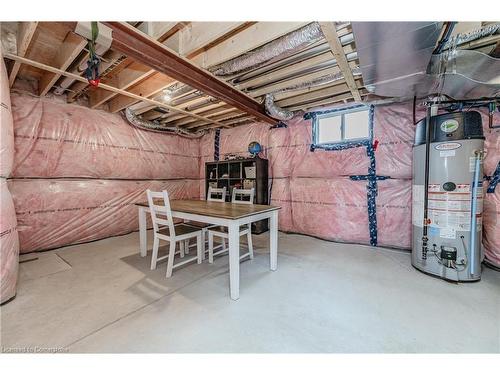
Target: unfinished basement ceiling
x,y
296,65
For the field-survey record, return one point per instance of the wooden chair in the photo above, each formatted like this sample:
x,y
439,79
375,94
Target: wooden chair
x,y
164,229
214,195
239,196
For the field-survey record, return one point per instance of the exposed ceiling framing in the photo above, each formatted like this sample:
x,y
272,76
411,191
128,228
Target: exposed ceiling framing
x,y
141,65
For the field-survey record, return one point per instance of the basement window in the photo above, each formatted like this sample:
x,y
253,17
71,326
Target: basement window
x,y
340,128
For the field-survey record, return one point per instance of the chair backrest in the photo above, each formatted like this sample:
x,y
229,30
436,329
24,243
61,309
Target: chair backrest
x,y
244,196
216,194
161,214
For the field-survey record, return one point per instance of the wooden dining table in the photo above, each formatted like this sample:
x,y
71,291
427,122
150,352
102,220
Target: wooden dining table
x,y
230,215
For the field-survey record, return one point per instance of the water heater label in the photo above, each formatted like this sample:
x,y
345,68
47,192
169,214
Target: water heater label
x,y
472,163
448,146
447,153
449,126
448,233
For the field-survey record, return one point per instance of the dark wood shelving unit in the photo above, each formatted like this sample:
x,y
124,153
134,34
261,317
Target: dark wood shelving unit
x,y
235,173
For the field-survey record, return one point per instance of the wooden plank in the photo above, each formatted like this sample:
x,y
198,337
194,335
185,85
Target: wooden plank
x,y
76,77
24,36
150,86
337,88
129,76
213,37
73,44
294,81
141,47
250,38
333,39
338,98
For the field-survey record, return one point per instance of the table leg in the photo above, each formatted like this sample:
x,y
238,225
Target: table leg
x,y
143,239
234,260
273,239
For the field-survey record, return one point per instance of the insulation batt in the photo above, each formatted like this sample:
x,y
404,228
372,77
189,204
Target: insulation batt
x,y
54,139
53,213
9,241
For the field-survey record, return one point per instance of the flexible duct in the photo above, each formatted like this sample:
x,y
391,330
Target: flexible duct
x,y
282,114
275,111
152,126
280,47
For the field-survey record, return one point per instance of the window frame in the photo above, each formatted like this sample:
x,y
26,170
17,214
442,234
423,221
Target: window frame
x,y
343,143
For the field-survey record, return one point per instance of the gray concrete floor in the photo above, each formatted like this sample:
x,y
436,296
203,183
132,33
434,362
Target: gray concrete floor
x,y
324,297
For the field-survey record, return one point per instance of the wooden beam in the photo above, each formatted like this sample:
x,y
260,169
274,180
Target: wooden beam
x,y
24,35
331,35
142,48
190,47
76,77
72,45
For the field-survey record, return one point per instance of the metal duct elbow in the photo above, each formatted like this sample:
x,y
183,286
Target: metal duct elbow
x,y
280,47
139,123
275,111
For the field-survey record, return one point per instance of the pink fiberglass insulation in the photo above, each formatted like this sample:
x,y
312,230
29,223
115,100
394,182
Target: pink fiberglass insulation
x,y
6,129
491,226
53,213
9,244
55,139
394,213
330,208
9,240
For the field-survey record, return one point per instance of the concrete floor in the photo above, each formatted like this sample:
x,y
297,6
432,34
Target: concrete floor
x,y
324,297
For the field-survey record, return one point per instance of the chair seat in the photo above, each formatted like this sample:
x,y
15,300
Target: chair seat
x,y
180,229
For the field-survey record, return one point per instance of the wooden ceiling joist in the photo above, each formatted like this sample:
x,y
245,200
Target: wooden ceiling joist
x,y
331,35
146,50
76,77
24,35
72,45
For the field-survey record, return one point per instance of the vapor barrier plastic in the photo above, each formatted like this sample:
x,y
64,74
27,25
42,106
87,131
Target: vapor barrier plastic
x,y
6,130
53,213
9,240
55,139
9,244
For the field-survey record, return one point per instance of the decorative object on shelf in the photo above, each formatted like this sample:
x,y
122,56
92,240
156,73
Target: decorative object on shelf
x,y
254,148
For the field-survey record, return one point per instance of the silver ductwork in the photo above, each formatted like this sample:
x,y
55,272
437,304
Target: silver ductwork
x,y
278,48
397,61
275,111
137,122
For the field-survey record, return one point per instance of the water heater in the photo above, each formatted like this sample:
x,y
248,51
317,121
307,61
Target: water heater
x,y
447,196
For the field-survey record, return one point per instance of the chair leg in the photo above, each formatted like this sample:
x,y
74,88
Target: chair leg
x,y
210,247
171,255
199,249
250,245
186,247
223,244
154,257
182,248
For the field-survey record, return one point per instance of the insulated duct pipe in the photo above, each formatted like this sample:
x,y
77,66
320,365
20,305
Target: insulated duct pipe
x,y
281,47
152,126
282,114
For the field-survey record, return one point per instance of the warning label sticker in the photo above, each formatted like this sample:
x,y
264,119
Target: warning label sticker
x,y
448,233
